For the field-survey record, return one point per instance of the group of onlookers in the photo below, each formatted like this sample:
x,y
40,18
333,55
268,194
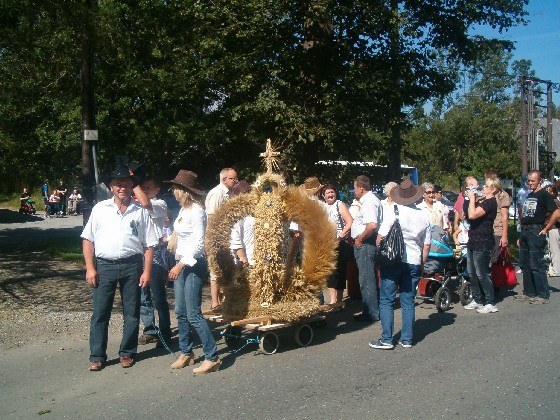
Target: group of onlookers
x,y
127,238
57,202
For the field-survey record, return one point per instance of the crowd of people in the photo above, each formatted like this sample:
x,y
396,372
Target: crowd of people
x,y
128,239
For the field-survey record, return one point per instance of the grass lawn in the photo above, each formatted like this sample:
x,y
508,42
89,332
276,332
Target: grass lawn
x,y
67,249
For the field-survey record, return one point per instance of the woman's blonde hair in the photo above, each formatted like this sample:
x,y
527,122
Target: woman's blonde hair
x,y
185,198
494,183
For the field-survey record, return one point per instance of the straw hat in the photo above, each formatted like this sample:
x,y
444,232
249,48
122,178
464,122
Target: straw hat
x,y
406,193
187,180
311,185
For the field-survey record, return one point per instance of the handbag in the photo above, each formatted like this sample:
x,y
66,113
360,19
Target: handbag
x,y
391,248
503,271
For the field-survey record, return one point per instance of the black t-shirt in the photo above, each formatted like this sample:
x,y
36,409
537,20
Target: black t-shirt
x,y
62,187
536,206
481,230
25,195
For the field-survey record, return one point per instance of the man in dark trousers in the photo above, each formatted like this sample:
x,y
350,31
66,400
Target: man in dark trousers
x,y
532,240
117,235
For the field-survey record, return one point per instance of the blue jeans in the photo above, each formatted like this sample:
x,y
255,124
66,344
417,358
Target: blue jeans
x,y
368,282
155,295
478,266
126,276
405,277
188,299
531,261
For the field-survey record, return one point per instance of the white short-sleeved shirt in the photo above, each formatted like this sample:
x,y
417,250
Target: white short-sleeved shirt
x,y
369,209
158,213
215,198
117,235
190,226
437,215
415,228
242,237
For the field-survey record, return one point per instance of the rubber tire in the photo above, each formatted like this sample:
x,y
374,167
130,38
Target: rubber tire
x,y
303,335
465,294
269,343
232,341
443,299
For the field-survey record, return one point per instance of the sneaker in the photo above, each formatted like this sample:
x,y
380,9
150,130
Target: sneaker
x,y
487,309
519,271
147,339
522,297
539,301
472,305
405,345
381,345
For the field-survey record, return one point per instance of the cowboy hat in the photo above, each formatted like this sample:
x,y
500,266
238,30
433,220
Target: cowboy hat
x,y
311,185
187,180
406,193
120,172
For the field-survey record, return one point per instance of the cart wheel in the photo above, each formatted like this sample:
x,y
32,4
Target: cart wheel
x,y
269,343
465,293
303,335
443,299
232,335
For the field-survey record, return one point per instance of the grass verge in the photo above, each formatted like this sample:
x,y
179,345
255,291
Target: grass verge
x,y
67,249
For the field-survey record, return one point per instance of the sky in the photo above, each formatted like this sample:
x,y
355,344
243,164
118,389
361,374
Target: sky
x,y
538,41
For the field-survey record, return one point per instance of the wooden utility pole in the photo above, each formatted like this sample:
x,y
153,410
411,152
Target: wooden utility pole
x,y
88,106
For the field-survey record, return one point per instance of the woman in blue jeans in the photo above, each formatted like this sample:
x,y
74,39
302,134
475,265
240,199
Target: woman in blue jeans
x,y
190,272
480,210
403,275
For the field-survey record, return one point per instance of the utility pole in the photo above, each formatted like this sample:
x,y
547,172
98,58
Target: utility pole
x,y
395,120
529,139
89,132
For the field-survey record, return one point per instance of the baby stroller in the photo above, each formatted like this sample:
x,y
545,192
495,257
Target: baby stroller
x,y
27,207
444,273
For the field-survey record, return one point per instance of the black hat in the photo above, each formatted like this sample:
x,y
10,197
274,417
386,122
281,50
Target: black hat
x,y
120,172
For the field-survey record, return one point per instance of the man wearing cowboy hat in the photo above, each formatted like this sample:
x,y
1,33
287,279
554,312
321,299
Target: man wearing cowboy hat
x,y
403,275
118,237
214,199
364,232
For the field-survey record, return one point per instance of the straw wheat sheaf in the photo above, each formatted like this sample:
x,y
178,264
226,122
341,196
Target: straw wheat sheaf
x,y
273,286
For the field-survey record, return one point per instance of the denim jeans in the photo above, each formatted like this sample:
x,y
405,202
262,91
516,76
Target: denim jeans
x,y
404,277
478,266
531,261
368,282
126,276
155,295
188,299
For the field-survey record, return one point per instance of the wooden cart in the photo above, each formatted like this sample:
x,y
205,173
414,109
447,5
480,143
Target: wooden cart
x,y
264,332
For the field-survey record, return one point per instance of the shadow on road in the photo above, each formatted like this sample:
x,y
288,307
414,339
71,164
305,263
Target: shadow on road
x,y
13,216
434,322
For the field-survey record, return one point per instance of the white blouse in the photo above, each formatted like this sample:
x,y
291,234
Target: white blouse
x,y
190,226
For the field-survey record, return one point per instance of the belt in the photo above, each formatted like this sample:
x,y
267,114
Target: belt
x,y
526,227
126,260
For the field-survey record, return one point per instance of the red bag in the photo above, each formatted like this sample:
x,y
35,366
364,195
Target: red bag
x,y
503,271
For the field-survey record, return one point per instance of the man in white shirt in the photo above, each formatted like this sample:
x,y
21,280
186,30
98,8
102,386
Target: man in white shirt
x,y
214,199
155,295
117,235
364,232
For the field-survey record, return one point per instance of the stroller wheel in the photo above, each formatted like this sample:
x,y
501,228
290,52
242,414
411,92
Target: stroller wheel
x,y
465,293
443,299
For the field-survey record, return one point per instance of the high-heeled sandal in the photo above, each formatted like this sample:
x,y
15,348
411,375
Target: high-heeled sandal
x,y
183,360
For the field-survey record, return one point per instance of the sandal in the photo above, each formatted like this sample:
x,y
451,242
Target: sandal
x,y
216,309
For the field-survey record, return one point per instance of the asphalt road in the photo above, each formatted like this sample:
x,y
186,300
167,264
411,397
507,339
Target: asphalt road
x,y
463,365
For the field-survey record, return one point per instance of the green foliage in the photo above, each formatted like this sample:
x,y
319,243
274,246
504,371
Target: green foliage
x,y
201,85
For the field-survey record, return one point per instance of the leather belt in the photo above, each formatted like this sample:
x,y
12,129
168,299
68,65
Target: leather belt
x,y
526,227
126,260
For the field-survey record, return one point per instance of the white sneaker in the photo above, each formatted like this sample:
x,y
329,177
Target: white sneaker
x,y
472,305
487,309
